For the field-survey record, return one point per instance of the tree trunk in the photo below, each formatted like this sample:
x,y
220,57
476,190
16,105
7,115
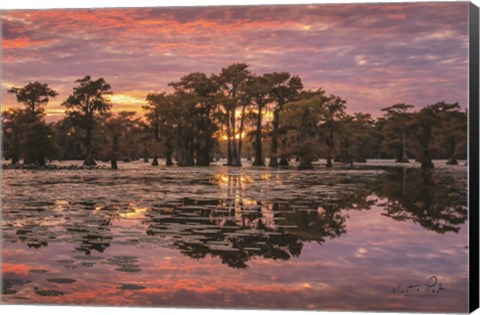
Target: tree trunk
x,y
350,156
234,140
156,134
169,153
283,161
403,158
89,160
229,142
155,160
360,159
330,145
283,158
203,147
41,161
305,163
191,147
274,148
452,160
343,151
185,147
240,137
145,152
426,159
329,158
203,158
113,161
258,139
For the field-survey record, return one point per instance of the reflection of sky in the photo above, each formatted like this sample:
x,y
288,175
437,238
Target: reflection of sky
x,y
373,55
356,271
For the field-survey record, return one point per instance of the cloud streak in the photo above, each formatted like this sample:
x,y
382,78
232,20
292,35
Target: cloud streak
x,y
374,55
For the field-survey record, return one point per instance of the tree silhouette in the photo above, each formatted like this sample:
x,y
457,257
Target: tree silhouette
x,y
451,132
231,81
258,88
207,117
396,129
285,88
26,130
13,128
88,100
34,95
153,116
334,111
117,128
204,91
425,122
301,118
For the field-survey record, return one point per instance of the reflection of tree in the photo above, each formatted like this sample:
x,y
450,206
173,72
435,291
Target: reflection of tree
x,y
233,242
32,236
420,197
317,225
239,231
24,224
327,220
91,230
92,238
239,224
38,224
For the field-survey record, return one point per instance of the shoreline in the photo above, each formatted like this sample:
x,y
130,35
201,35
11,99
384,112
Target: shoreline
x,y
317,166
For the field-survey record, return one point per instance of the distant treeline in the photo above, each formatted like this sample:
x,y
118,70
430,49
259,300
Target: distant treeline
x,y
234,114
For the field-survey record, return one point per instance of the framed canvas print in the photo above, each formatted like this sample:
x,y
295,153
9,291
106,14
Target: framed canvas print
x,y
284,157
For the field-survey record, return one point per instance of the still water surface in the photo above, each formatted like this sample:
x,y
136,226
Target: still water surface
x,y
342,239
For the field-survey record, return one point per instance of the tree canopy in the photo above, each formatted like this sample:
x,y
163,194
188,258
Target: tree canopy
x,y
234,114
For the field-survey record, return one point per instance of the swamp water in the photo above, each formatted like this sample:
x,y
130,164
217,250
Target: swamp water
x,y
377,237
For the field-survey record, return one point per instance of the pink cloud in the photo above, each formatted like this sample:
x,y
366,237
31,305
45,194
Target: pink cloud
x,y
374,55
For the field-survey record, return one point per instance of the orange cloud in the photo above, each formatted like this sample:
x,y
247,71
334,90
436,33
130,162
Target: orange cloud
x,y
369,53
24,42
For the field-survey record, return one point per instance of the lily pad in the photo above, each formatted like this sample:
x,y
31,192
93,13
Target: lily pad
x,y
38,271
49,293
131,287
87,264
88,258
8,283
61,280
128,269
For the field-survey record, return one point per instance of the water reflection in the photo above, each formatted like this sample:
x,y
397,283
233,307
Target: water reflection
x,y
231,217
237,228
235,235
435,201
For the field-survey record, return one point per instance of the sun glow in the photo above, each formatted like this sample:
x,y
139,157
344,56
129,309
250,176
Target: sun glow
x,y
225,179
135,212
224,136
124,99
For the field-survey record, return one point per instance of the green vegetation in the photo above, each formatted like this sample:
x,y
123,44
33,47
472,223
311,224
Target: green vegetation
x,y
231,115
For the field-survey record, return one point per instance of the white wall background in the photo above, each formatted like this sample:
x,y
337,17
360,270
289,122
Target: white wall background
x,y
59,310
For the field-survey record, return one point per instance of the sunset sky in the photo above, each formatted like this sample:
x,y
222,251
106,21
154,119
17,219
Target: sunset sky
x,y
372,55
